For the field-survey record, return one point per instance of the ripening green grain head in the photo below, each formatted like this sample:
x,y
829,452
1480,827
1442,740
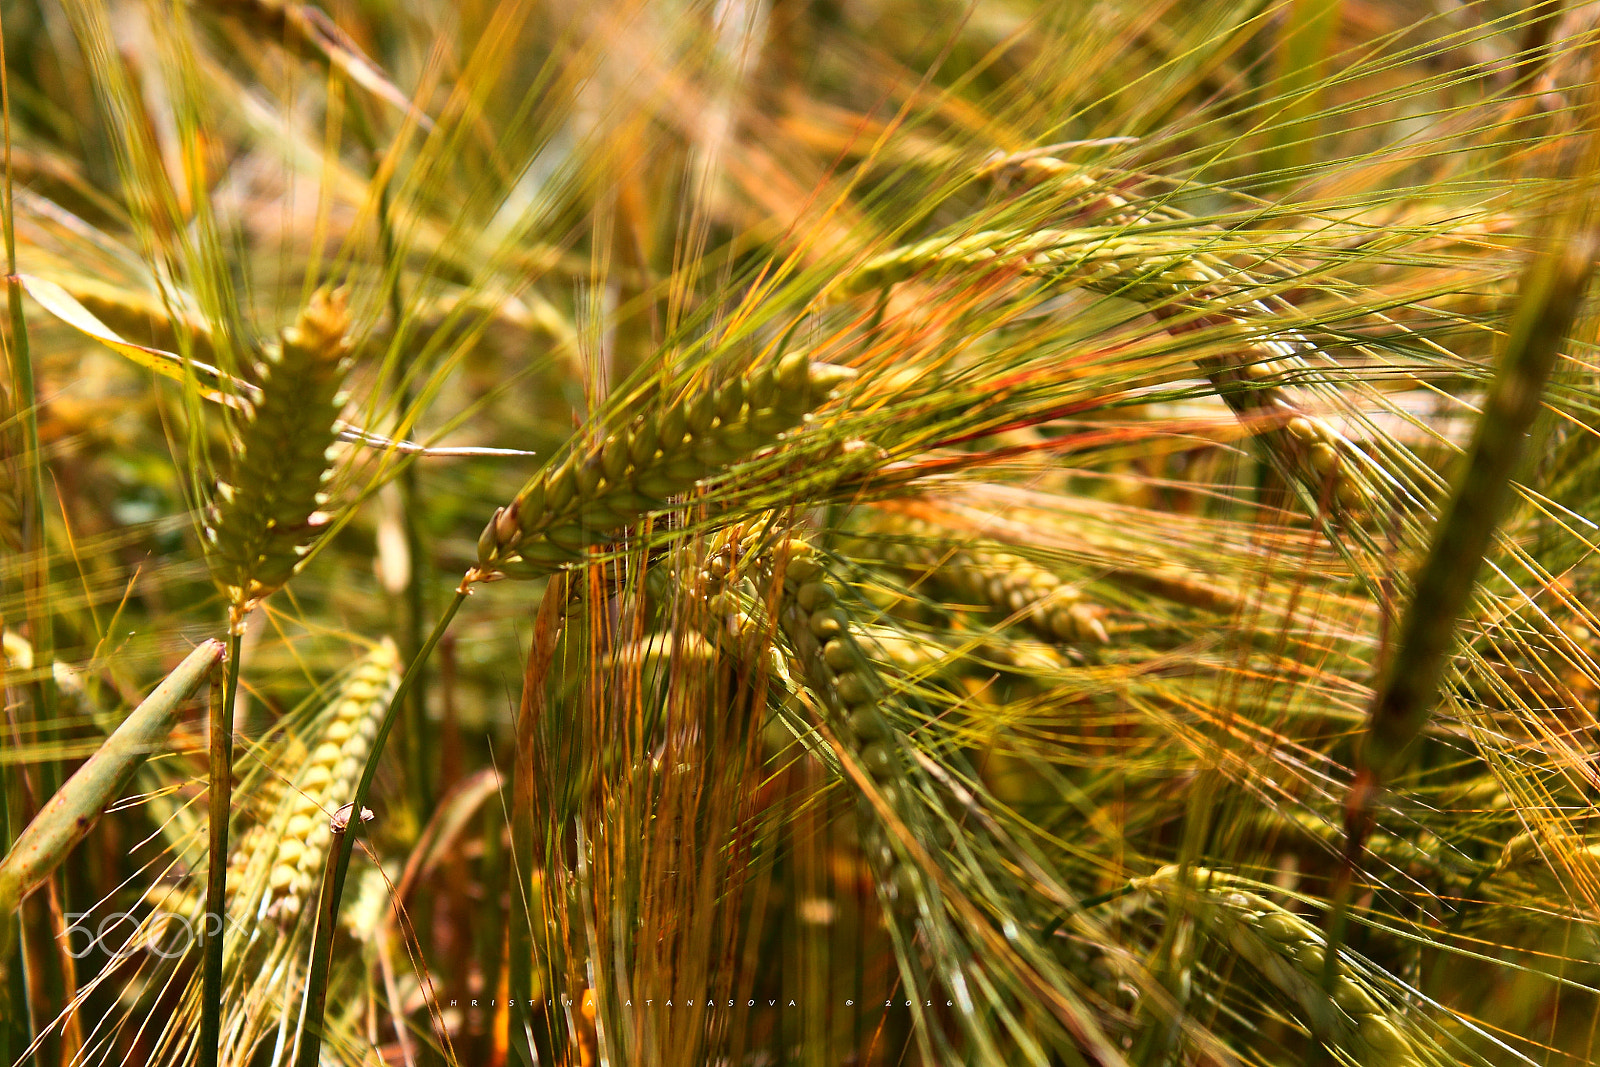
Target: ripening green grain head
x,y
268,508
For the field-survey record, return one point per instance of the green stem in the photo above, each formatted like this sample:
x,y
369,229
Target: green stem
x,y
221,800
32,515
339,853
1549,299
316,996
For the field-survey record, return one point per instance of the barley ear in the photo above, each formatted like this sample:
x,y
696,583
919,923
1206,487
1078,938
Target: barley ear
x,y
1001,581
1186,284
854,695
328,779
1356,1018
602,486
266,514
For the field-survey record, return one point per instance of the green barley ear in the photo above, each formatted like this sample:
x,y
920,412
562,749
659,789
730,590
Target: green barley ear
x,y
267,513
857,701
1001,581
1357,1017
600,487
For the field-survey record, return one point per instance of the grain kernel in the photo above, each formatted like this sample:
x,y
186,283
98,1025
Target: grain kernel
x,y
852,688
814,595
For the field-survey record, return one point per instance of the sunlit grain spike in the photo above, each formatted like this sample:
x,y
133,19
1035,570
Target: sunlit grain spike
x,y
1002,581
326,781
599,488
1355,1017
267,512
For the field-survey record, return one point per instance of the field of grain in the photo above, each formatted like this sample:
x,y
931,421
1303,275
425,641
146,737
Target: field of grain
x,y
818,532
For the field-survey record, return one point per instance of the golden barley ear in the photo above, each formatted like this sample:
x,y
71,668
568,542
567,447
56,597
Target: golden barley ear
x,y
328,779
267,513
1187,284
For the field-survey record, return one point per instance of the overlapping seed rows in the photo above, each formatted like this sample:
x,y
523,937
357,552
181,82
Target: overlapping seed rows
x,y
729,611
852,692
249,859
985,574
1355,1018
599,488
734,619
326,782
904,653
267,511
1173,278
286,848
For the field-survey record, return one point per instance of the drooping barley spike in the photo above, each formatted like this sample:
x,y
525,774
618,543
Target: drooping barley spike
x,y
1426,852
1248,380
854,695
267,512
601,486
1190,284
1357,1018
863,709
327,780
1551,857
985,574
